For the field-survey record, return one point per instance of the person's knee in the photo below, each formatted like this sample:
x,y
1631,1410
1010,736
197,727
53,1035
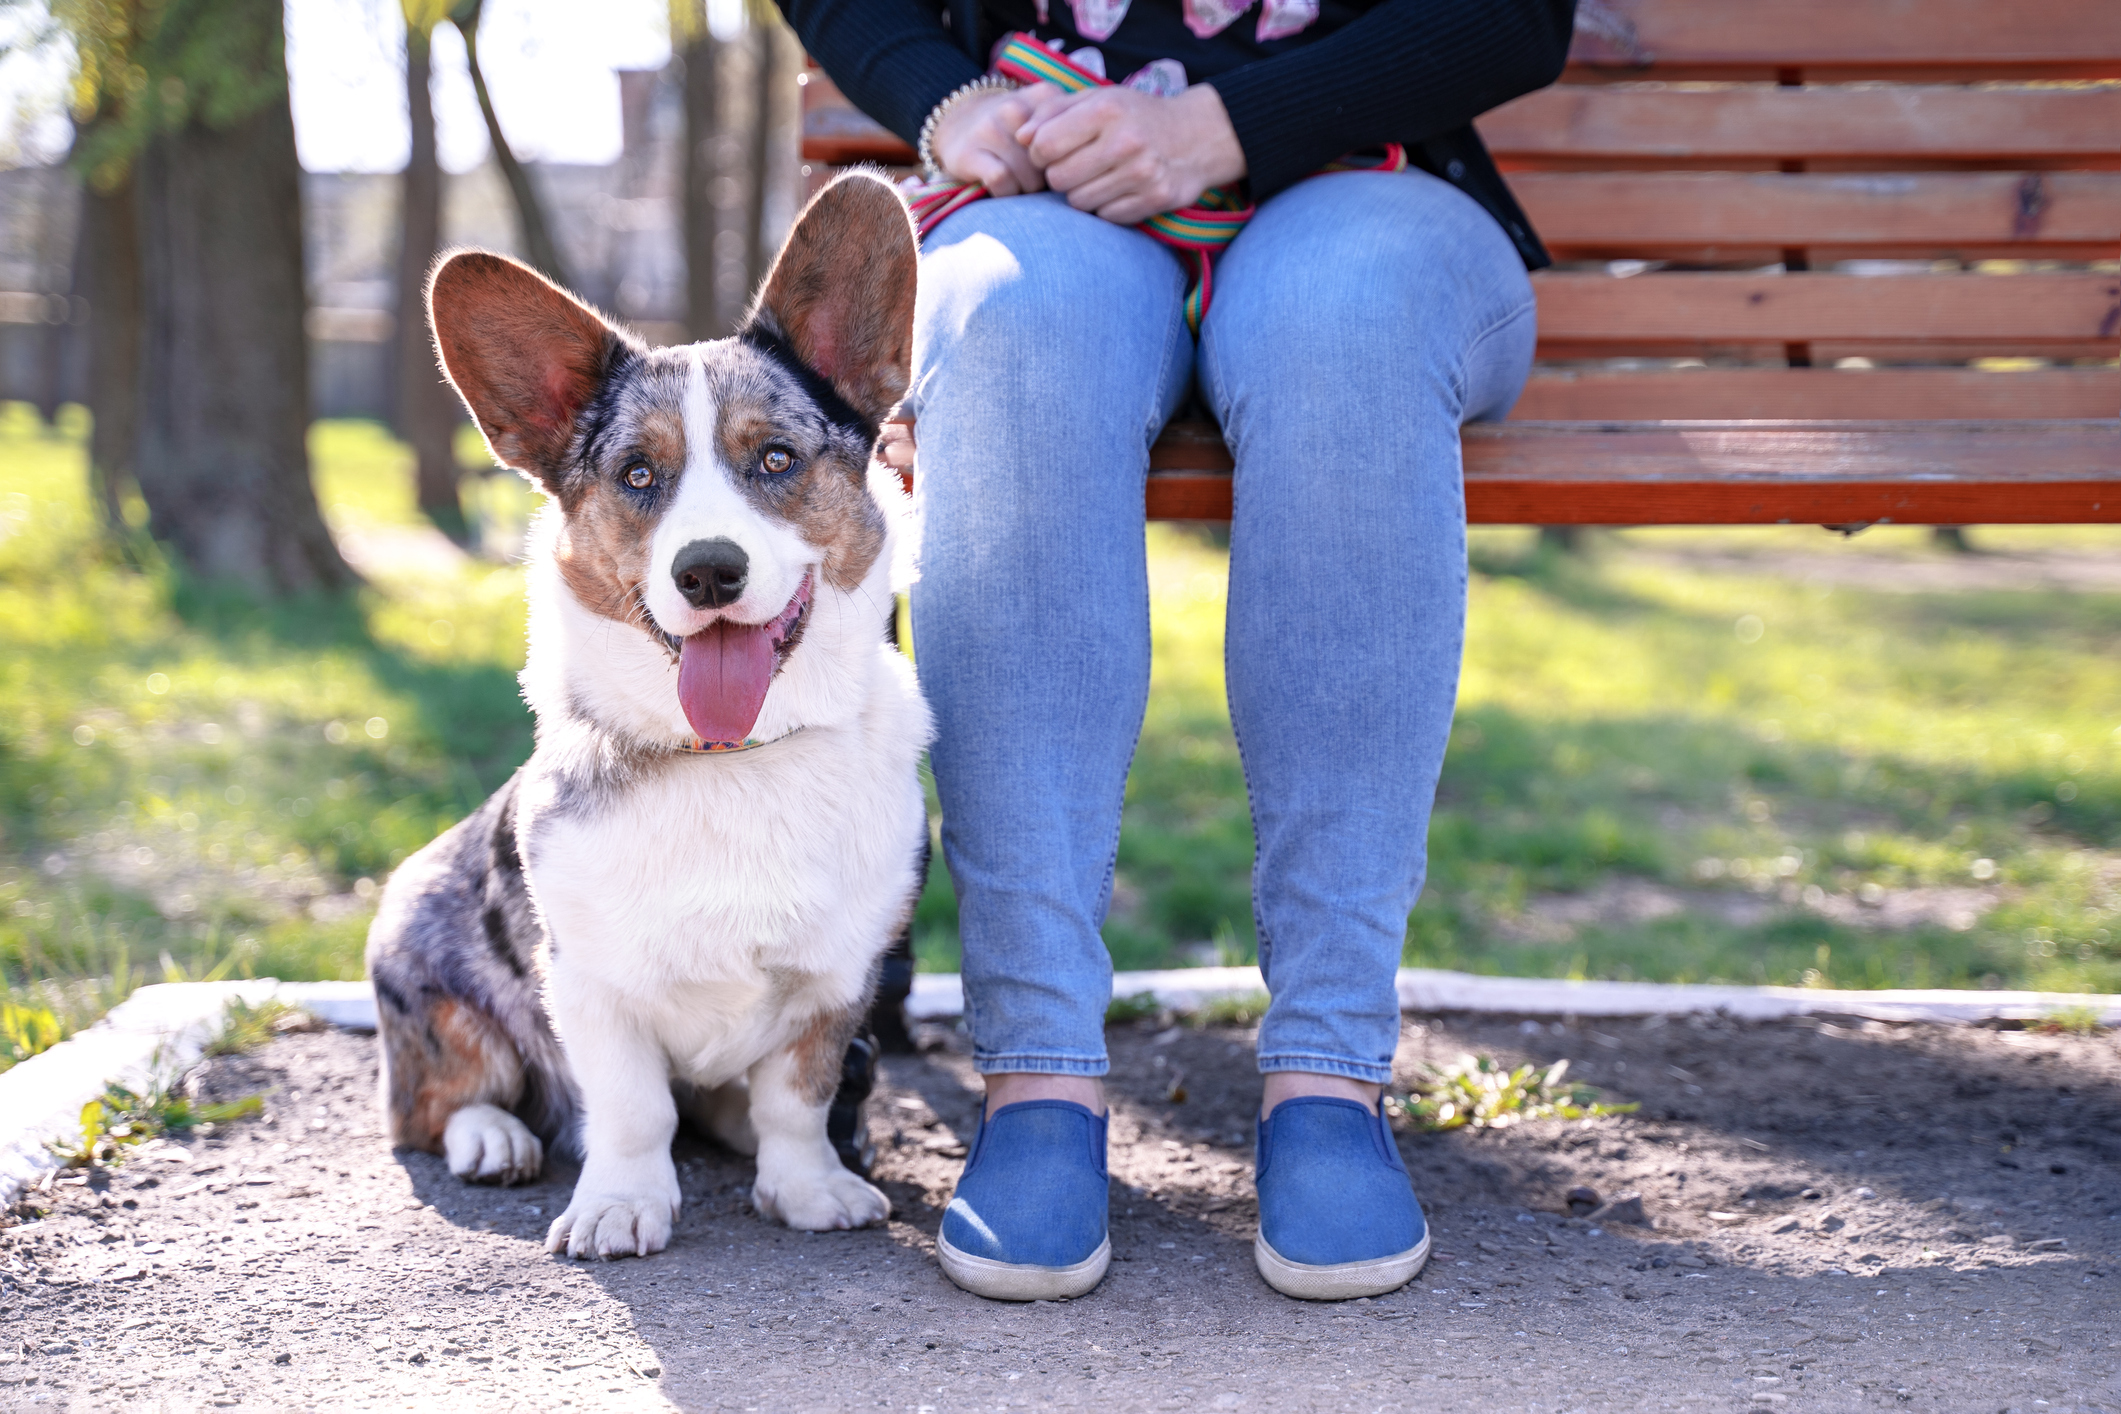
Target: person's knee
x,y
1032,291
1378,286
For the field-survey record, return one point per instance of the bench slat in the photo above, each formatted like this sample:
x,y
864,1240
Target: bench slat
x,y
1867,34
1580,123
1896,393
1665,308
1601,213
1730,473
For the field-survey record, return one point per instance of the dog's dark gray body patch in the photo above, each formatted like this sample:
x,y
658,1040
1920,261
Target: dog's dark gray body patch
x,y
454,955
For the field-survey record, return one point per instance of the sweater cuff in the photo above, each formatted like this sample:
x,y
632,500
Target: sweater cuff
x,y
1272,118
926,79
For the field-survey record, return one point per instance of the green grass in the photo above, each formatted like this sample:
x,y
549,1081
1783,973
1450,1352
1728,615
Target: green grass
x,y
195,784
1742,741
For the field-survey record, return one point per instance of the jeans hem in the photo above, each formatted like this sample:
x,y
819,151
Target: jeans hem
x,y
1029,1063
1369,1072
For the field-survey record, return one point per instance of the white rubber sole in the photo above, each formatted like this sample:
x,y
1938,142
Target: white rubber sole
x,y
1342,1281
1010,1281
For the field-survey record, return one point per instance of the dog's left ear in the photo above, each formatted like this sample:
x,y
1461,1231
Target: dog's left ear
x,y
840,295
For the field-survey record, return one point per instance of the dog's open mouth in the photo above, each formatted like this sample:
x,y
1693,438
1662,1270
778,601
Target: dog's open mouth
x,y
725,669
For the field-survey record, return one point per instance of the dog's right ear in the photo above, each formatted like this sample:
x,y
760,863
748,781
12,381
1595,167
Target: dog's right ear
x,y
525,355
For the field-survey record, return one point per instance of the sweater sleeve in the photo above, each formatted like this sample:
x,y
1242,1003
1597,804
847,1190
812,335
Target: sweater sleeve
x,y
892,58
1406,71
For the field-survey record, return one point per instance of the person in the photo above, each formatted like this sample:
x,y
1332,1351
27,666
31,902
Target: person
x,y
1356,321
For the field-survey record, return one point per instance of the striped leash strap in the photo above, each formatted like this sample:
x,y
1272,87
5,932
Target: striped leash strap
x,y
1196,233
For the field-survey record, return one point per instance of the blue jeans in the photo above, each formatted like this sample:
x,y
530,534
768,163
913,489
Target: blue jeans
x,y
1356,323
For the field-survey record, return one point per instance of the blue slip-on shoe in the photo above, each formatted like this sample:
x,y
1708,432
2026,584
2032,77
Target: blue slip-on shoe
x,y
1028,1220
1337,1213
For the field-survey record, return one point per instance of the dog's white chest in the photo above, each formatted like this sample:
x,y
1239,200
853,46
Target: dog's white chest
x,y
727,898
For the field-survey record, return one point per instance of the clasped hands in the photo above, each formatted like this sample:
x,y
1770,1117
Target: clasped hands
x,y
1119,153
1113,151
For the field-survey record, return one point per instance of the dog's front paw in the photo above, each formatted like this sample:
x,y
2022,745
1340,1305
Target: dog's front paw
x,y
819,1202
612,1225
487,1144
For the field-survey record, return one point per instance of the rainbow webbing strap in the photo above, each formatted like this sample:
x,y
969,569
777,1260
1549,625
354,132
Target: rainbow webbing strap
x,y
1197,233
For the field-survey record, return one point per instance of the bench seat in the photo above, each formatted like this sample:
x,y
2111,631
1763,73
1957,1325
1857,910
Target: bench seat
x,y
1837,473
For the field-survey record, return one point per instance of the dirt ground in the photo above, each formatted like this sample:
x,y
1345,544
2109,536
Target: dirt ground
x,y
1845,1216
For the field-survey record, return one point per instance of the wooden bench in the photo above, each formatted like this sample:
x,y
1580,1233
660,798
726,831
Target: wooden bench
x,y
1836,262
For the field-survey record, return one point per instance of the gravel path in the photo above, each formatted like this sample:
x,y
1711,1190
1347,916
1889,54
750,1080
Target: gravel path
x,y
1845,1217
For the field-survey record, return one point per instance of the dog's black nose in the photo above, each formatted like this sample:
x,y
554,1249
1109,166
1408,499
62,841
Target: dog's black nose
x,y
711,572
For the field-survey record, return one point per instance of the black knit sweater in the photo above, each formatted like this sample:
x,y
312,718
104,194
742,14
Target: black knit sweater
x,y
1365,73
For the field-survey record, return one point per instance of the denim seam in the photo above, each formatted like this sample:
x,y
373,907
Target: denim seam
x,y
1151,425
1472,347
1369,1072
1038,1063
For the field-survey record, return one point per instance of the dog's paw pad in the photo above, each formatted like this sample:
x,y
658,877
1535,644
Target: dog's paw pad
x,y
822,1203
487,1144
596,1226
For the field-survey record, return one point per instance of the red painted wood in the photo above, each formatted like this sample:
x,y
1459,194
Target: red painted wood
x,y
1737,473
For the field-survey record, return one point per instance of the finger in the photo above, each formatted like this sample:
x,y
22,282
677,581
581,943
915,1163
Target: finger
x,y
1060,134
1010,113
1131,210
1120,191
1027,174
895,445
1044,101
1112,158
982,166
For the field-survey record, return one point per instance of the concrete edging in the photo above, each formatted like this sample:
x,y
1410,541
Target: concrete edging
x,y
164,1026
169,1024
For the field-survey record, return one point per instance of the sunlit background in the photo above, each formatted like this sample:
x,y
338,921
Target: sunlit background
x,y
1759,755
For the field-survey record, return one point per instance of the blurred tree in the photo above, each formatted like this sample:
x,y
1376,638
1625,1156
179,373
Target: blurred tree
x,y
110,276
187,100
701,52
538,244
424,409
766,63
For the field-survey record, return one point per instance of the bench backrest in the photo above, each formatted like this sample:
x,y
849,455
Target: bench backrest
x,y
1755,199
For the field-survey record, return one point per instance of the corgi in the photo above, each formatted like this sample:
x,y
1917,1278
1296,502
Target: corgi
x,y
679,903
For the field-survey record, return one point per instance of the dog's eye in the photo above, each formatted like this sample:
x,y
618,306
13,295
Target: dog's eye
x,y
776,461
640,478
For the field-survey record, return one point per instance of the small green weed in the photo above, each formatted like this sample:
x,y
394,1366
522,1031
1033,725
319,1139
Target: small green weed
x,y
1138,1007
244,1027
1479,1093
1245,1010
26,1031
2075,1020
122,1119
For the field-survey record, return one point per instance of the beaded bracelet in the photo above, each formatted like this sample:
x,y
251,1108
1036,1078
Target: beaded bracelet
x,y
985,83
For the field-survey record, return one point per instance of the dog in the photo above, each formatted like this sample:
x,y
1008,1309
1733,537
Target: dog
x,y
680,901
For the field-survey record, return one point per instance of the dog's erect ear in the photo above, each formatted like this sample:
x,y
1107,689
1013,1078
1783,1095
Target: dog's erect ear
x,y
841,292
524,354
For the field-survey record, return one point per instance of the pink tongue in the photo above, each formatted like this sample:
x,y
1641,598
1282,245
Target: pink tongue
x,y
723,673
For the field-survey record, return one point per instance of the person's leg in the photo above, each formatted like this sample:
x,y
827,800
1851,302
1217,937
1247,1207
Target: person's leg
x,y
1357,322
1049,348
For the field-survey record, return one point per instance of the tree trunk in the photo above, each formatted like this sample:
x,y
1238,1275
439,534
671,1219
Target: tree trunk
x,y
765,72
426,409
61,248
110,269
224,368
702,128
538,245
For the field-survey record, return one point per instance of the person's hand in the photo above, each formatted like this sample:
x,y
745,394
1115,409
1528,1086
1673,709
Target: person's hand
x,y
1128,155
895,446
976,140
